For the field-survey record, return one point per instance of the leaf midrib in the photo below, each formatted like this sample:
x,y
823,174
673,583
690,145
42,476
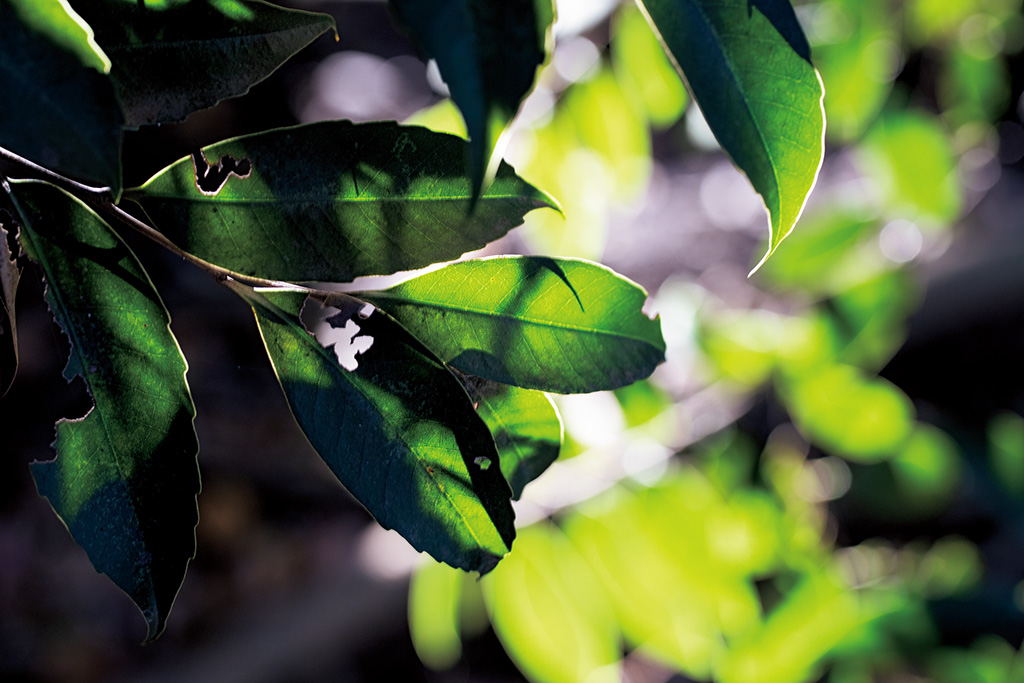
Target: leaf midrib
x,y
506,317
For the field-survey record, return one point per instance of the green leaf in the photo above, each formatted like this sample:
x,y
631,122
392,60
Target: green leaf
x,y
551,613
559,325
749,68
839,408
857,54
10,273
910,156
332,201
642,68
392,423
173,58
488,52
525,425
61,111
435,596
125,477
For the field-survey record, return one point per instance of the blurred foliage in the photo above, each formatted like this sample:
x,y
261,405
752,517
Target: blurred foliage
x,y
734,559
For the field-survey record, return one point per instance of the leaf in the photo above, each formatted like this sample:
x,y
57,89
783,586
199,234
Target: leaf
x,y
643,69
488,52
551,613
332,201
435,594
61,111
397,429
525,425
10,273
749,68
839,408
559,325
173,58
910,156
125,477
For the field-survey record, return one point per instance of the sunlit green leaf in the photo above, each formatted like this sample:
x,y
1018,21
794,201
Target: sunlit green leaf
x,y
642,402
858,55
749,68
62,26
488,52
170,59
643,68
675,561
814,619
604,120
125,478
392,423
551,613
911,159
434,596
525,425
332,201
61,111
10,273
557,325
840,409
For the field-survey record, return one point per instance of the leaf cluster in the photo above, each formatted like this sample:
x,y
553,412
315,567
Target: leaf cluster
x,y
426,399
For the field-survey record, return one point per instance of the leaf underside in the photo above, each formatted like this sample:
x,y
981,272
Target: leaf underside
x,y
125,478
560,325
488,52
169,61
332,201
59,112
748,66
398,430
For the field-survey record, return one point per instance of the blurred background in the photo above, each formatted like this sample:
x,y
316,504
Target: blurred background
x,y
825,480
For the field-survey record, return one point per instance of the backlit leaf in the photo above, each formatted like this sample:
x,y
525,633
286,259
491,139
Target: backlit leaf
x,y
60,110
434,597
525,425
332,201
10,273
392,423
125,477
642,68
559,325
173,58
749,68
911,159
488,52
837,407
858,54
550,611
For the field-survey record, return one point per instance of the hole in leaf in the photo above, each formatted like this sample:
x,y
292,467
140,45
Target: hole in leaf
x,y
337,329
211,178
482,462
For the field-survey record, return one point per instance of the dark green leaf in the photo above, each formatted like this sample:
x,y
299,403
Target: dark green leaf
x,y
170,59
561,325
333,201
125,478
392,423
487,52
525,425
60,110
9,275
749,68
